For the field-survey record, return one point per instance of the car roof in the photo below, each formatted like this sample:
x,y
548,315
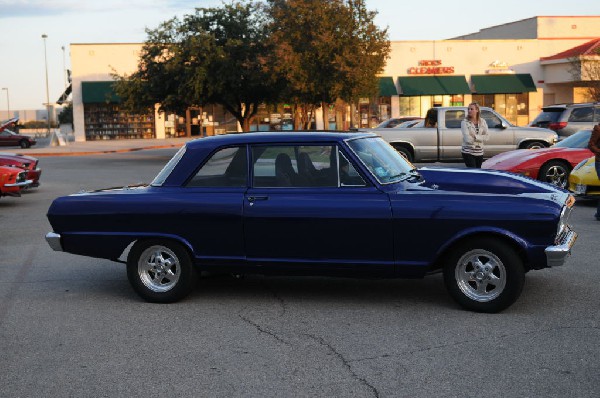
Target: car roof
x,y
569,105
261,137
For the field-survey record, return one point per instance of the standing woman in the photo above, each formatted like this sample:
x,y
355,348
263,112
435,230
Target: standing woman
x,y
475,133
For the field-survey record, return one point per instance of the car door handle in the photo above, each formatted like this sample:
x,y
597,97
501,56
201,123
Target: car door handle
x,y
253,199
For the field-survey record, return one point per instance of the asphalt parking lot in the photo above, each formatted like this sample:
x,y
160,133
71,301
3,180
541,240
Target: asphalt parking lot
x,y
72,326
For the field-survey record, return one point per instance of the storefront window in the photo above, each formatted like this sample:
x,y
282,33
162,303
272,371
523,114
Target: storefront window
x,y
514,107
108,122
457,100
410,106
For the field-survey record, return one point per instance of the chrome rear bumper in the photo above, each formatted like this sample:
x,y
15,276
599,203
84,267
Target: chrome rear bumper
x,y
556,255
53,240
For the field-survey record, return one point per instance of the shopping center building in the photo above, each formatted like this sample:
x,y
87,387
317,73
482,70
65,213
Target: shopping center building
x,y
516,68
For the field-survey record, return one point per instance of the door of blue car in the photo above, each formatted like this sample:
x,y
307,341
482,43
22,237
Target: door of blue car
x,y
210,206
309,207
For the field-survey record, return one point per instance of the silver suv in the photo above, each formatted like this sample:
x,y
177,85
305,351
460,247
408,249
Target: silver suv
x,y
567,119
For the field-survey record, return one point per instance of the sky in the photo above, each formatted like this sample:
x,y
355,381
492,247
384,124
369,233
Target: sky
x,y
23,66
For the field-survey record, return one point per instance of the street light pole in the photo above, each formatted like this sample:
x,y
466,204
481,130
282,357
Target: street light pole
x,y
45,36
7,103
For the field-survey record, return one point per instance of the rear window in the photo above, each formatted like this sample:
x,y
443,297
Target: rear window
x,y
550,115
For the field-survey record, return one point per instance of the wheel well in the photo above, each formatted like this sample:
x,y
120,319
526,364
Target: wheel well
x,y
528,141
439,262
125,254
563,161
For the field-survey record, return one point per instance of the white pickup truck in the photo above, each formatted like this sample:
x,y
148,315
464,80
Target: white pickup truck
x,y
439,136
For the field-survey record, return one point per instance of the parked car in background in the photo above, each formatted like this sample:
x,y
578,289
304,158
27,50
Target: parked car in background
x,y
319,203
567,119
28,163
393,122
12,181
439,137
10,138
584,181
552,165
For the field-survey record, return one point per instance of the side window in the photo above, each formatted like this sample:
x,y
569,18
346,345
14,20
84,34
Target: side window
x,y
585,114
349,177
596,114
302,166
454,118
226,168
294,166
491,120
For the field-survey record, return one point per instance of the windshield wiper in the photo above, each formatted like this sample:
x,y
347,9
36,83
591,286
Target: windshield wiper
x,y
404,176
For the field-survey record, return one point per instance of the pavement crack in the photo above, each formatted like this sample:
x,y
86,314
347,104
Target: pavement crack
x,y
263,330
345,362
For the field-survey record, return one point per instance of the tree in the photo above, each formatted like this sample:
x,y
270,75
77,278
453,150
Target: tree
x,y
324,51
66,115
585,68
215,56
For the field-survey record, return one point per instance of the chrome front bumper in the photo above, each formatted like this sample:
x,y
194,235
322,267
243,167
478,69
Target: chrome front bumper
x,y
53,240
20,184
556,255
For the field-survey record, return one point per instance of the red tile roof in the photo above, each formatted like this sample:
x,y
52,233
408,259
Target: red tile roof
x,y
590,48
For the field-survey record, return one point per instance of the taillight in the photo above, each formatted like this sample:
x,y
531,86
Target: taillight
x,y
557,125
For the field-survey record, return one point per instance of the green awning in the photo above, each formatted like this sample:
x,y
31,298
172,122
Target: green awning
x,y
433,85
387,88
99,92
502,84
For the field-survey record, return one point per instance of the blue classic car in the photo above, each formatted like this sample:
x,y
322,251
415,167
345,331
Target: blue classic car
x,y
344,204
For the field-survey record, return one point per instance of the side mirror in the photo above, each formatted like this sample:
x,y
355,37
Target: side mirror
x,y
503,125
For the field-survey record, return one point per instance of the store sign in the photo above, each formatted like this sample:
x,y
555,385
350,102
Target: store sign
x,y
430,67
499,67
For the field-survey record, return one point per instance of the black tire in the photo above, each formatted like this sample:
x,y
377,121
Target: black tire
x,y
484,275
535,145
404,152
160,271
555,172
24,144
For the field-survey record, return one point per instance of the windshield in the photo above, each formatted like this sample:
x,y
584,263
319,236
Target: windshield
x,y
383,161
577,140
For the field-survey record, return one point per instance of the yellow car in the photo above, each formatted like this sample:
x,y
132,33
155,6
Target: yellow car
x,y
583,180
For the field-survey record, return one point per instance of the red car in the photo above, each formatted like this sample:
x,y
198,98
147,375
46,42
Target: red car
x,y
12,181
552,165
27,163
10,138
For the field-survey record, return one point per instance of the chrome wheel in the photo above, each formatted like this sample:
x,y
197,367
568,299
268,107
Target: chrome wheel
x,y
480,275
159,268
556,173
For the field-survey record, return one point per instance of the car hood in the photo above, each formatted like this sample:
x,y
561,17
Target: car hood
x,y
511,159
17,157
518,156
487,182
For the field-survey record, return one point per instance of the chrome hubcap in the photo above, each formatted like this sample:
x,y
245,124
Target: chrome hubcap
x,y
159,268
480,275
557,175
